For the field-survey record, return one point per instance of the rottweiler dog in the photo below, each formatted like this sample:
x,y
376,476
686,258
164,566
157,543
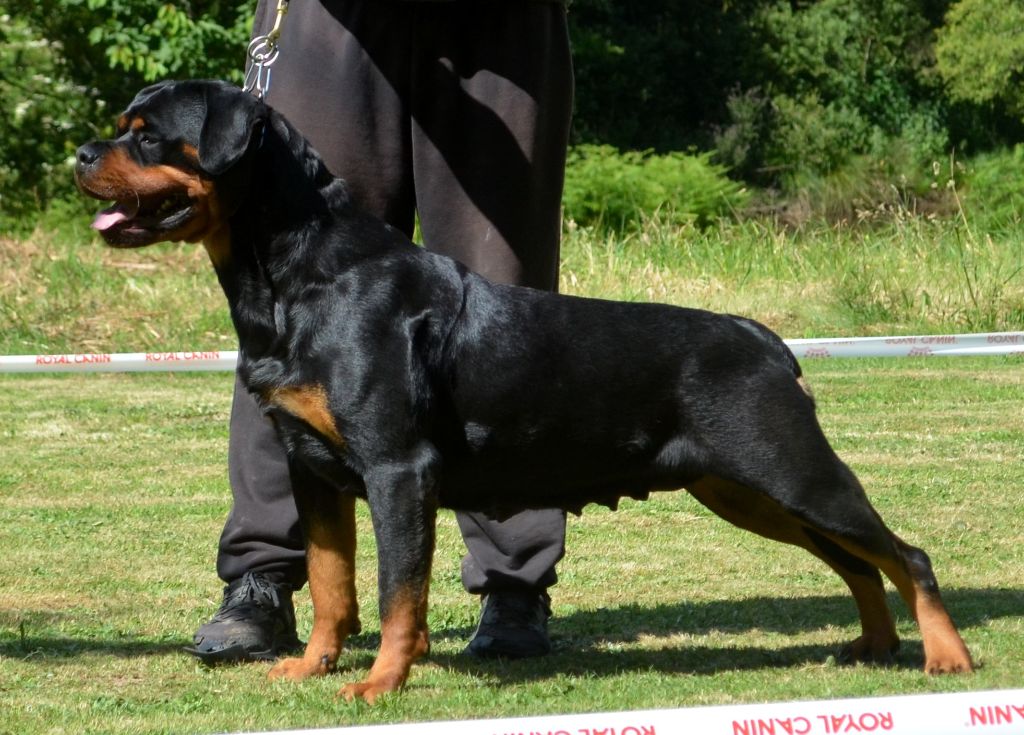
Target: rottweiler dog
x,y
398,376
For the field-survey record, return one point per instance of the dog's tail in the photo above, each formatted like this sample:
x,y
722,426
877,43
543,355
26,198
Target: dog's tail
x,y
778,347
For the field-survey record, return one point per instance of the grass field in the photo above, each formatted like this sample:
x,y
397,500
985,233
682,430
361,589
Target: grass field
x,y
113,491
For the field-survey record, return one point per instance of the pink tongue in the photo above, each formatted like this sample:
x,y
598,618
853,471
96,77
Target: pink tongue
x,y
108,218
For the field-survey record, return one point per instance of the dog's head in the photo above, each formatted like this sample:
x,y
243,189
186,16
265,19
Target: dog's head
x,y
166,168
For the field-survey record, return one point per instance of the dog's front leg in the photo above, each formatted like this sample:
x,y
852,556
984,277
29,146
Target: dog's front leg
x,y
328,522
404,510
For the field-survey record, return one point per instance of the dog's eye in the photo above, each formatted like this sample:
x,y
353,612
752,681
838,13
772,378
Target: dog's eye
x,y
146,139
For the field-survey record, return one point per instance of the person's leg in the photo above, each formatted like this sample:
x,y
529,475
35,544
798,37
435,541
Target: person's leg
x,y
491,103
261,553
262,532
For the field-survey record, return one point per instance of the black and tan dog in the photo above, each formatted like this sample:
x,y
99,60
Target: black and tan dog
x,y
398,376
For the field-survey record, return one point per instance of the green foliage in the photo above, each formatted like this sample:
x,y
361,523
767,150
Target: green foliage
x,y
203,39
787,94
33,121
980,53
837,79
609,189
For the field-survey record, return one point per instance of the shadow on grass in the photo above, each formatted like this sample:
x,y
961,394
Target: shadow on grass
x,y
53,648
584,641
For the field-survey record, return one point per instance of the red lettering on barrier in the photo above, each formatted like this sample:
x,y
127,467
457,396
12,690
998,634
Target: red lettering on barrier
x,y
74,359
1005,339
181,356
920,352
901,341
996,715
628,730
92,359
817,352
865,722
939,340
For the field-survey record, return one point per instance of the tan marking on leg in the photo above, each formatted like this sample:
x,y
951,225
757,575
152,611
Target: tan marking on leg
x,y
309,404
404,638
746,508
330,562
878,640
944,650
753,511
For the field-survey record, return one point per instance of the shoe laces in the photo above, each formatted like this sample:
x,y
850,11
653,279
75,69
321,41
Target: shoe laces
x,y
252,590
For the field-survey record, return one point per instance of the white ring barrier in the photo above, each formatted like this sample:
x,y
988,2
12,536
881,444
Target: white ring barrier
x,y
978,713
991,343
120,362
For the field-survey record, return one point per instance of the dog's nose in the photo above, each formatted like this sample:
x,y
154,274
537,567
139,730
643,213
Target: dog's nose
x,y
88,154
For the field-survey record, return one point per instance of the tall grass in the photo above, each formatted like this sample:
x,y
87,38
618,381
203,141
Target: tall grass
x,y
63,291
909,275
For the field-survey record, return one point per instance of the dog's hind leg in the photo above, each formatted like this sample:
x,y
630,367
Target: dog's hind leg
x,y
404,510
844,516
830,516
753,511
910,570
328,522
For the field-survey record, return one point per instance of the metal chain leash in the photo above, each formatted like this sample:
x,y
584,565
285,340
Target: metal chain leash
x,y
263,52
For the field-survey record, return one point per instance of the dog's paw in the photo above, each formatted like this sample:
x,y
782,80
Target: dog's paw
x,y
951,662
368,690
872,650
297,669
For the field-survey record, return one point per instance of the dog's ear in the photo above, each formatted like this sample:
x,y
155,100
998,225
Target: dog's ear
x,y
232,120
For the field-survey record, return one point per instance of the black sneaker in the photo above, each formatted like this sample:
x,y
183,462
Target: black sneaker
x,y
512,625
256,622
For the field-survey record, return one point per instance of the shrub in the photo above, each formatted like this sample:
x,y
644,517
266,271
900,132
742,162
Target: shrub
x,y
980,53
613,190
839,79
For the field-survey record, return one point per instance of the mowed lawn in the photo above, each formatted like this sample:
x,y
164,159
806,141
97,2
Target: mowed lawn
x,y
113,491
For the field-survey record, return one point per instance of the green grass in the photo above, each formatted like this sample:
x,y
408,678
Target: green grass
x,y
113,491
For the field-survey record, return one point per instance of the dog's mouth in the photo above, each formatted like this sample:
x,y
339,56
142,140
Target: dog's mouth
x,y
140,220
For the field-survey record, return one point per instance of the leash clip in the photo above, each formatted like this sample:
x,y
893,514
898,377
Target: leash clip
x,y
263,52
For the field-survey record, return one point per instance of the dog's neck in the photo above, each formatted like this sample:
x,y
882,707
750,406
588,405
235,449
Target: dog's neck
x,y
291,199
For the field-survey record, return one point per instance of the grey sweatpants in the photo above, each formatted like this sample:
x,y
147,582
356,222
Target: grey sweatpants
x,y
458,111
